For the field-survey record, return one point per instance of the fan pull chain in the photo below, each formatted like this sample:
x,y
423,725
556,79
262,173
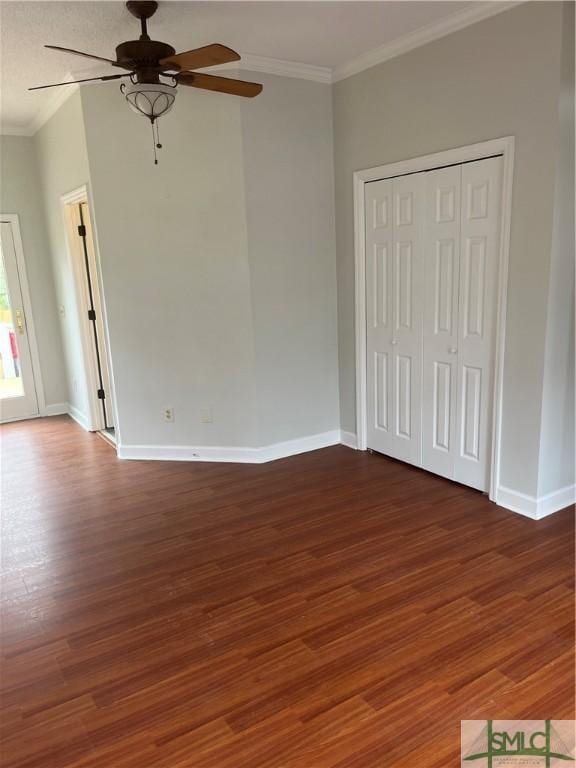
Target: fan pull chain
x,y
154,143
158,137
155,140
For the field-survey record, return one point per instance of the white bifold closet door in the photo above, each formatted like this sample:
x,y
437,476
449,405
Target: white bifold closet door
x,y
431,277
395,210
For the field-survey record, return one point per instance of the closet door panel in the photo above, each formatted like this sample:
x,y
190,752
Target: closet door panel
x,y
480,225
379,318
395,212
440,326
409,210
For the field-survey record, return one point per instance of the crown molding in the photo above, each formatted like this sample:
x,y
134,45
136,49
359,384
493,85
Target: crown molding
x,y
280,67
285,68
421,36
60,96
51,107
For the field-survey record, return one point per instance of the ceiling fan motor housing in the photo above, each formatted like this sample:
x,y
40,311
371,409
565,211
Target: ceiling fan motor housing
x,y
143,56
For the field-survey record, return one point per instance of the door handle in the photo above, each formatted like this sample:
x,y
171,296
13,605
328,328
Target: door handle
x,y
393,342
452,350
19,320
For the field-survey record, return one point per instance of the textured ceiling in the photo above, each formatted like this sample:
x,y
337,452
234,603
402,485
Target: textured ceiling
x,y
325,34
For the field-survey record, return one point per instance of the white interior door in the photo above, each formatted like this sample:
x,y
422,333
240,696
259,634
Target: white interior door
x,y
94,301
440,327
394,227
94,360
480,228
18,399
432,242
379,250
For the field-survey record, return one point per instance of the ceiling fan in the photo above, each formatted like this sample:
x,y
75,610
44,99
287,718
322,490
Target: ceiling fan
x,y
147,61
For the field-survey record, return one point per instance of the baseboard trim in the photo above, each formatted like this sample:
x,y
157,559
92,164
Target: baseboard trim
x,y
299,445
560,499
55,409
20,418
348,439
239,455
517,502
535,507
78,416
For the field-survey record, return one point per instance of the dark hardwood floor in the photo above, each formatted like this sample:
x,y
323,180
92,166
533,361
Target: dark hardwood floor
x,y
331,610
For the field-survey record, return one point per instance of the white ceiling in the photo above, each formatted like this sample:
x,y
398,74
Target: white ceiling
x,y
323,34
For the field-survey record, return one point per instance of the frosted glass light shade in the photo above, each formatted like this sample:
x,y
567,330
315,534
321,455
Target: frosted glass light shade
x,y
152,100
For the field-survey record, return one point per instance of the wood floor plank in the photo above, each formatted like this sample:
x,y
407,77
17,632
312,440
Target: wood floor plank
x,y
331,610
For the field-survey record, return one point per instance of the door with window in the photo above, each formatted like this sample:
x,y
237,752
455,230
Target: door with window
x,y
18,398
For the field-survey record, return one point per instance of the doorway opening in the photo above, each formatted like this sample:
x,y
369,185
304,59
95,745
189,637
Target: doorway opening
x,y
91,318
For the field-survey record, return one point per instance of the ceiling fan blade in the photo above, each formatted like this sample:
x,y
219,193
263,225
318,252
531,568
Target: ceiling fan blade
x,y
208,56
71,82
220,84
79,53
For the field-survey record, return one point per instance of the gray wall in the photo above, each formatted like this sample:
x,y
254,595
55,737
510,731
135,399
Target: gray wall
x,y
20,193
63,167
218,264
496,78
289,181
173,250
557,463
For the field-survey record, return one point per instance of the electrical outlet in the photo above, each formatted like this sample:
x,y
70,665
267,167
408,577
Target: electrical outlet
x,y
168,413
206,415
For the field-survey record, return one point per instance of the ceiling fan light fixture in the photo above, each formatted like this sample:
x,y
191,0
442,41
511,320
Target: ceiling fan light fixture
x,y
151,100
147,61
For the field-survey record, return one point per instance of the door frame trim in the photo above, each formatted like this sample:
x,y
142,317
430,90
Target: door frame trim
x,y
94,422
503,146
14,221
